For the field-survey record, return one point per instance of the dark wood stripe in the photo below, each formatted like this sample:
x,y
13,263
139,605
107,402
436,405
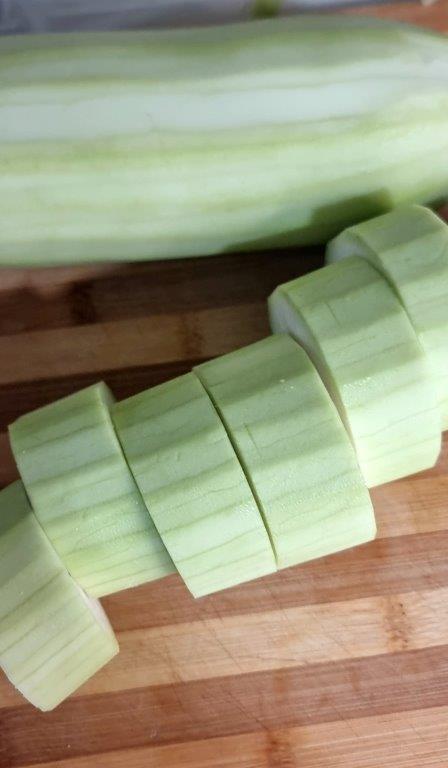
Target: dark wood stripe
x,y
378,568
410,739
56,298
199,284
24,310
218,707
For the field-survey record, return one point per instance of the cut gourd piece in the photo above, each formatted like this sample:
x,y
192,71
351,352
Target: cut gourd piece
x,y
410,248
363,344
293,447
84,495
52,636
193,484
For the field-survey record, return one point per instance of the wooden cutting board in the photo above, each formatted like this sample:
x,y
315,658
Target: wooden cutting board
x,y
340,663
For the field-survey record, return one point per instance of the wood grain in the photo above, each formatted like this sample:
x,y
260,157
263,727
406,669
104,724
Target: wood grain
x,y
238,704
433,15
415,737
339,663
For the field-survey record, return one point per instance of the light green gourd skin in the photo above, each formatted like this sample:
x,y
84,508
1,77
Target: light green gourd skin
x,y
52,637
409,246
294,449
84,495
364,347
159,144
193,485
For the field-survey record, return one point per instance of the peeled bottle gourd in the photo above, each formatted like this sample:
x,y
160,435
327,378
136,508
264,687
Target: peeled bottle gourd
x,y
193,485
409,246
363,344
149,145
84,495
293,447
52,636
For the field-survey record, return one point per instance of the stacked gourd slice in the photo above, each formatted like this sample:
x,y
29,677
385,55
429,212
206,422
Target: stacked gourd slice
x,y
84,496
410,248
193,484
293,448
254,461
365,348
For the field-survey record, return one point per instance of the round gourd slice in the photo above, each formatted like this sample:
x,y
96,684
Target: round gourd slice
x,y
52,636
294,448
363,344
409,246
84,495
193,485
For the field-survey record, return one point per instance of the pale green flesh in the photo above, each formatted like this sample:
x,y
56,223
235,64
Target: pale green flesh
x,y
410,247
165,144
365,348
84,495
52,636
193,485
294,449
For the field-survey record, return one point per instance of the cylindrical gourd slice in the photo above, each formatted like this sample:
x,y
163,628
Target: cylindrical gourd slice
x,y
363,344
52,636
409,246
193,484
84,495
293,447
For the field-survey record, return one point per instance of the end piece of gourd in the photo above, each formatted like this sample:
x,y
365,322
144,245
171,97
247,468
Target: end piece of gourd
x,y
409,246
52,636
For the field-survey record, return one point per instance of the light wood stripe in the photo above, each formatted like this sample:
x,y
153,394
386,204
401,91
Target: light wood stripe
x,y
275,640
416,739
135,342
269,641
416,506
